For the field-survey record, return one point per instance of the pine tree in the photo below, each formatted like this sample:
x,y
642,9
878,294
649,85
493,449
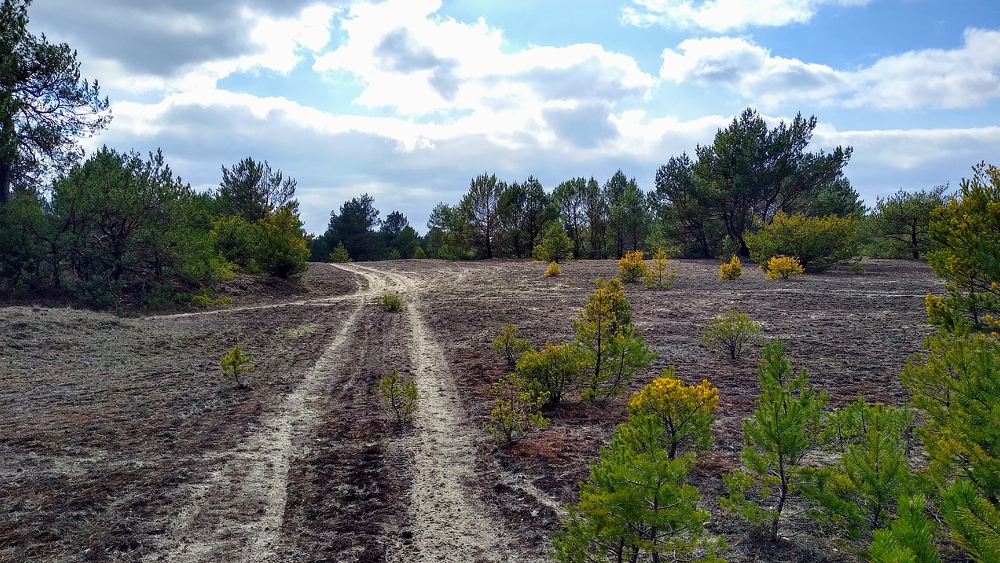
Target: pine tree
x,y
612,349
635,505
685,411
956,383
775,441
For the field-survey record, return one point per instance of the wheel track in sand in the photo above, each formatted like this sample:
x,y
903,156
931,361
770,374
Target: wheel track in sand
x,y
236,514
450,523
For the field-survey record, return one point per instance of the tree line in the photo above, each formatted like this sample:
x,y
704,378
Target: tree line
x,y
119,228
707,206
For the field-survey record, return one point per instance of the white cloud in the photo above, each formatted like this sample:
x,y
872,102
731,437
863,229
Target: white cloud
x,y
725,15
963,77
416,63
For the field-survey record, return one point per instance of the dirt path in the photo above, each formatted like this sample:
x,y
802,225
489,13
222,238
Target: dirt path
x,y
450,522
236,515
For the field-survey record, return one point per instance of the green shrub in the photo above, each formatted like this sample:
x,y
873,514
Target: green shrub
x,y
731,270
556,245
390,302
234,362
282,247
782,267
732,332
858,495
910,539
398,397
516,412
632,267
636,505
419,253
202,300
509,345
775,440
340,255
955,382
659,274
551,371
966,236
818,242
553,270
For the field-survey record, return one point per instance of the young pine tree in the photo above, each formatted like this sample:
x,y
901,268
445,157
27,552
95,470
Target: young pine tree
x,y
551,371
775,441
685,411
636,506
956,383
613,352
859,494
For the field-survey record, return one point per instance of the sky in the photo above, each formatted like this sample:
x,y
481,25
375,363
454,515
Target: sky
x,y
409,100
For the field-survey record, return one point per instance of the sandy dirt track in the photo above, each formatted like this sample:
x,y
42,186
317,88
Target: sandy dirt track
x,y
118,441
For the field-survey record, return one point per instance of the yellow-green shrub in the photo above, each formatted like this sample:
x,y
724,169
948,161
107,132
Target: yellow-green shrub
x,y
731,270
782,267
234,362
517,410
552,270
659,274
398,397
632,267
508,345
818,242
686,411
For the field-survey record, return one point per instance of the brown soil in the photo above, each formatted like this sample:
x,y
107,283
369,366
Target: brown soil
x,y
119,441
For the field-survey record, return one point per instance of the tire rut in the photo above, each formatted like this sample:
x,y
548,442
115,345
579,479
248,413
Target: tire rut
x,y
237,513
450,524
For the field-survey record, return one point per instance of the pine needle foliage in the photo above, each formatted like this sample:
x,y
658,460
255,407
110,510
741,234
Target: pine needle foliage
x,y
340,255
775,441
632,267
782,267
390,302
517,410
234,362
732,332
551,372
553,270
556,246
966,236
612,351
659,274
858,495
956,385
636,506
398,397
508,345
731,270
910,539
686,412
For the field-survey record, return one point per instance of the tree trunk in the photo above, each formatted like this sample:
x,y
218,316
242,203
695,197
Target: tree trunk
x,y
5,179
